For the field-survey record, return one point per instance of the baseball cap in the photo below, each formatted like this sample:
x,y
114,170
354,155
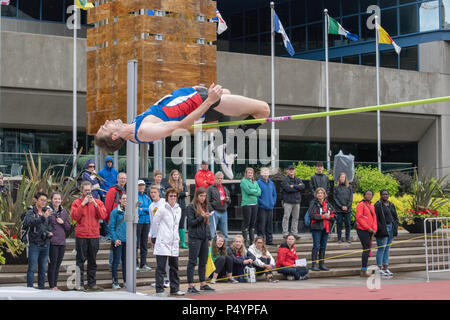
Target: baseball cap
x,y
291,167
141,182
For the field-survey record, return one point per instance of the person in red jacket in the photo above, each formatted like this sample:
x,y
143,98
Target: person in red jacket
x,y
366,227
87,211
204,178
286,257
114,193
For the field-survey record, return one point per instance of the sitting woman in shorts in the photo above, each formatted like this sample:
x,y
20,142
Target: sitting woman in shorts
x,y
241,257
222,262
286,256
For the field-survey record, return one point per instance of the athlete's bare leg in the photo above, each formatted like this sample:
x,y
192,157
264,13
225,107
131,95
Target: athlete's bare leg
x,y
235,106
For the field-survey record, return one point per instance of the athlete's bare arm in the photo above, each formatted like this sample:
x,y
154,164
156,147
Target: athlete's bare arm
x,y
150,131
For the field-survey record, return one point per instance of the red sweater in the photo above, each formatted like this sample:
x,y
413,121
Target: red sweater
x,y
204,179
286,257
366,218
87,218
112,199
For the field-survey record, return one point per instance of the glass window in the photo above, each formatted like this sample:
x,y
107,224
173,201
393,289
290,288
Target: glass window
x,y
264,19
367,3
366,33
334,8
406,1
264,44
408,19
337,59
368,59
298,12
349,7
236,45
429,15
387,3
388,59
409,59
251,22
351,59
52,10
237,25
351,25
282,11
315,36
389,21
251,45
314,11
298,38
10,10
30,9
445,14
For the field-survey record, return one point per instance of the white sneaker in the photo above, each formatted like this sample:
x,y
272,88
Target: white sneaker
x,y
213,280
226,161
388,272
290,277
382,272
166,283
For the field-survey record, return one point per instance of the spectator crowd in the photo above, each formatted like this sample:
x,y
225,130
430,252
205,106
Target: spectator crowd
x,y
167,210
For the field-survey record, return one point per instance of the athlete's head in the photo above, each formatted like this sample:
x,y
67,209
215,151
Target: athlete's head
x,y
108,138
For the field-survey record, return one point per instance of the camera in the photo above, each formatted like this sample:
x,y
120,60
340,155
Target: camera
x,y
44,209
46,235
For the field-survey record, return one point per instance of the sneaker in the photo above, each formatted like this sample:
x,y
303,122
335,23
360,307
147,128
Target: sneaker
x,y
349,241
339,241
153,284
305,277
382,272
206,288
178,293
166,283
290,277
232,280
146,268
226,161
388,272
116,286
94,288
192,290
213,280
272,279
364,274
138,269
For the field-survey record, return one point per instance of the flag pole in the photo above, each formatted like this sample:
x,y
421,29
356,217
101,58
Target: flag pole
x,y
272,131
327,96
74,122
377,57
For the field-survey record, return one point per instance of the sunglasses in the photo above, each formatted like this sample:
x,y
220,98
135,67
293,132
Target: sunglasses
x,y
91,166
172,196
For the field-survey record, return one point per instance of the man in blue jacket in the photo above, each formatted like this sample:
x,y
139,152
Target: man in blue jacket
x,y
266,202
109,174
143,227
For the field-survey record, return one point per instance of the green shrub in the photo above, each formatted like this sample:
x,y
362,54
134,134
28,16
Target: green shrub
x,y
305,172
373,179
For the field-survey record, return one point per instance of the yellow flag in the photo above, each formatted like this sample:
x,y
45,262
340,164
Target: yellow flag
x,y
210,266
83,4
384,37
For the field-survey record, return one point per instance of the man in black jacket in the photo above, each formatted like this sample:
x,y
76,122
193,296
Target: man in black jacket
x,y
291,187
39,236
319,179
218,201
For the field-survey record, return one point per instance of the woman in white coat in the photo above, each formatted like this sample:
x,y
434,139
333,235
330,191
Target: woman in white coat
x,y
166,222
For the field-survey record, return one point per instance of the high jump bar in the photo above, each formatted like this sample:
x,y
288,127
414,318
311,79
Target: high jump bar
x,y
324,114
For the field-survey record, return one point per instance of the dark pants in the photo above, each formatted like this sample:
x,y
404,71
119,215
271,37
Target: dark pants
x,y
56,256
37,257
224,265
173,273
297,272
341,217
250,214
142,231
87,249
364,237
198,248
119,254
259,269
182,219
320,238
265,224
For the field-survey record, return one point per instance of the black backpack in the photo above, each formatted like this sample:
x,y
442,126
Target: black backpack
x,y
24,231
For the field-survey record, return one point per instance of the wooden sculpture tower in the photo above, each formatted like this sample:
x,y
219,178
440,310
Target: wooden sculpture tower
x,y
170,39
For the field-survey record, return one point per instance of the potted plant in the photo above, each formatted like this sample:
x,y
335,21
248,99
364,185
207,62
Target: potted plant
x,y
12,250
428,196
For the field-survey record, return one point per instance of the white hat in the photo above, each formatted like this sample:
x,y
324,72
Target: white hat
x,y
141,182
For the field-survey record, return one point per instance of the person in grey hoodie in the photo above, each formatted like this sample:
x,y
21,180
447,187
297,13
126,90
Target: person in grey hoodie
x,y
319,179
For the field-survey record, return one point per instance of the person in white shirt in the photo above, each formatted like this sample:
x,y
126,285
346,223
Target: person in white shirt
x,y
264,262
165,224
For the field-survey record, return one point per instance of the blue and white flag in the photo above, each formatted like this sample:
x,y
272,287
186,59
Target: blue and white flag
x,y
222,26
279,28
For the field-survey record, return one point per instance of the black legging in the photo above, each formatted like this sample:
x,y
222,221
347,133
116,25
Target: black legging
x,y
56,255
224,265
259,269
198,248
250,214
364,237
182,223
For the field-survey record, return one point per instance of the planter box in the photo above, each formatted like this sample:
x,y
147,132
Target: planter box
x,y
19,259
417,226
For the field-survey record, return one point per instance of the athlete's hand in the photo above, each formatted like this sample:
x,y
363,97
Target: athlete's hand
x,y
214,92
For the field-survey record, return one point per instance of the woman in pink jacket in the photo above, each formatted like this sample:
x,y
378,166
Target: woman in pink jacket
x,y
366,227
